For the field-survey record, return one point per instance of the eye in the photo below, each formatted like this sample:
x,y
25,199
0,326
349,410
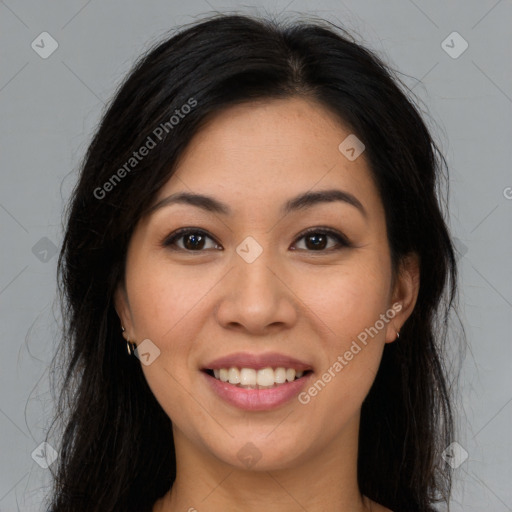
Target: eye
x,y
193,240
316,239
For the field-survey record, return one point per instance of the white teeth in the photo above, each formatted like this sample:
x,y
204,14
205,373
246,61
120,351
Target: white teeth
x,y
262,378
247,377
280,375
265,377
290,374
234,376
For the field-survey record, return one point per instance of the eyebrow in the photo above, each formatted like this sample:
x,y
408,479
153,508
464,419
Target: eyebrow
x,y
300,202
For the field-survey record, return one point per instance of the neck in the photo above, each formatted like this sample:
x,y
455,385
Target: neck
x,y
324,481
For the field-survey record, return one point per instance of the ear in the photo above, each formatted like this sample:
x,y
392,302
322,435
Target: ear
x,y
123,311
404,295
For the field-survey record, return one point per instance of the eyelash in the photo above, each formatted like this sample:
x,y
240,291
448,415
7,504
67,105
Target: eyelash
x,y
169,241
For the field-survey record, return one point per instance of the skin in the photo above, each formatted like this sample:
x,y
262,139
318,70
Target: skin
x,y
307,303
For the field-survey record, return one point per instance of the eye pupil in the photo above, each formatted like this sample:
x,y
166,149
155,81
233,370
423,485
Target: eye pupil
x,y
192,241
319,241
195,240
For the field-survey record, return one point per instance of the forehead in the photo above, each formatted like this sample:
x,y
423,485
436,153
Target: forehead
x,y
267,151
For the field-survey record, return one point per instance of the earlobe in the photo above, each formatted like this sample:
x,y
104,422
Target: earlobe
x,y
122,309
405,294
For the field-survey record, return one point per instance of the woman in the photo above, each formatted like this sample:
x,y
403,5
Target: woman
x,y
257,217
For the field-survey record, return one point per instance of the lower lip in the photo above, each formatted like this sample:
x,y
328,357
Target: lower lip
x,y
257,399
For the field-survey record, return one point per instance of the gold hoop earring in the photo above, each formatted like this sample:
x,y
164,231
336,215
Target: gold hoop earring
x,y
130,347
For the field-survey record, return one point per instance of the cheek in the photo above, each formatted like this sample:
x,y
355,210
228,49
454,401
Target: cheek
x,y
347,307
346,300
164,297
167,304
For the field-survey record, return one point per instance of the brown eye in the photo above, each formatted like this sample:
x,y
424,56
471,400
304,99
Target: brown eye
x,y
196,240
317,239
192,240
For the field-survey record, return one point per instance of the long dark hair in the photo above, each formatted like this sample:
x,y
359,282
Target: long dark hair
x,y
116,451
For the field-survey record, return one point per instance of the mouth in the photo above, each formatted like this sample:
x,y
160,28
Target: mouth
x,y
261,378
257,382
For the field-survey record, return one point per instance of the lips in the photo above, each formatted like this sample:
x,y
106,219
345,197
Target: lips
x,y
257,361
251,399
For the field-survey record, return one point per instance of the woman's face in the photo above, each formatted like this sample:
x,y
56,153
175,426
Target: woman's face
x,y
247,288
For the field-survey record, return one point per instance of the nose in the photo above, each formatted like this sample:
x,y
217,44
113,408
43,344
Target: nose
x,y
257,297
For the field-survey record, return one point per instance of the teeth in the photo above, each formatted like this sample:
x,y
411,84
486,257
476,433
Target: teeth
x,y
247,376
290,374
261,379
234,376
280,375
265,377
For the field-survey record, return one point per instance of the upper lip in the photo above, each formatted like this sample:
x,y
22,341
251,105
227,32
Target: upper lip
x,y
257,361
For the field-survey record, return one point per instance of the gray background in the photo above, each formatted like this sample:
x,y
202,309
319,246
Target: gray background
x,y
50,108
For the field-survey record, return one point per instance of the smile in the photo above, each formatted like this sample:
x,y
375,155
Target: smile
x,y
257,382
251,378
